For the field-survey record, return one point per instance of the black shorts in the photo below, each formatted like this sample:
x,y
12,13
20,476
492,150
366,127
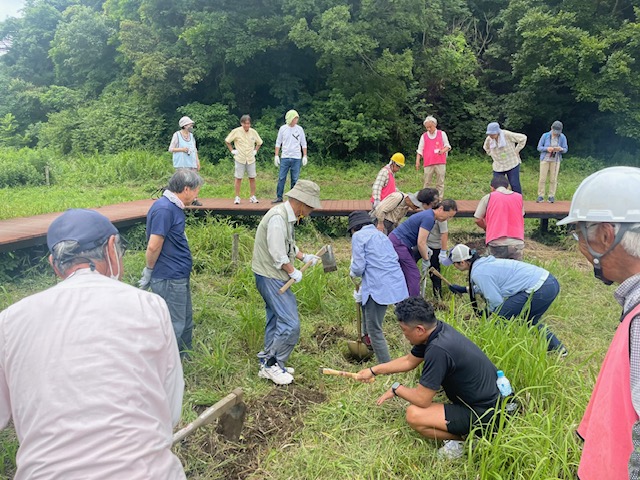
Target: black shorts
x,y
461,419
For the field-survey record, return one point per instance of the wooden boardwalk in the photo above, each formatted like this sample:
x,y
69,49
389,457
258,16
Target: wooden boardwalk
x,y
25,232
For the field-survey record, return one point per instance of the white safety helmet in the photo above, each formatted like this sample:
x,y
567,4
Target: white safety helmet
x,y
460,252
185,121
609,195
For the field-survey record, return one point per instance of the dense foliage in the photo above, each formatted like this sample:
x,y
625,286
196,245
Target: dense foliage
x,y
90,76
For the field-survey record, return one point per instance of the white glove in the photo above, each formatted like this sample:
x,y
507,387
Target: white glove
x,y
310,257
296,275
255,152
234,152
357,296
145,280
376,203
276,161
429,253
304,161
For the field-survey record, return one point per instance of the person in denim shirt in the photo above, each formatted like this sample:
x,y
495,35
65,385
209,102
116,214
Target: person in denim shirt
x,y
552,146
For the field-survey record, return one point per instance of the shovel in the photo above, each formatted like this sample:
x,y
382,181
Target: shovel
x,y
358,349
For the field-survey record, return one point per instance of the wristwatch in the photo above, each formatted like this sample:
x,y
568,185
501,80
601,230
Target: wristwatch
x,y
394,387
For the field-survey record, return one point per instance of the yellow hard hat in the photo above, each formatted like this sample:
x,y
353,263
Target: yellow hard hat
x,y
398,159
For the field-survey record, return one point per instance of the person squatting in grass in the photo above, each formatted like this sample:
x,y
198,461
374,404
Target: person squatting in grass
x,y
392,210
168,257
510,287
415,232
374,259
246,143
274,252
89,368
294,152
451,361
501,215
607,217
385,182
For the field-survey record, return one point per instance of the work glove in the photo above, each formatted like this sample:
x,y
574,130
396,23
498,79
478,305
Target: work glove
x,y
234,152
296,275
376,203
145,280
445,261
276,161
304,161
310,257
255,152
457,289
357,296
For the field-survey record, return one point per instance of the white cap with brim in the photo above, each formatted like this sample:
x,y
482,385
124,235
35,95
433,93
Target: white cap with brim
x,y
460,253
306,192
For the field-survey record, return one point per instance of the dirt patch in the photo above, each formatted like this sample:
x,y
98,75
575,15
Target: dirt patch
x,y
327,336
271,422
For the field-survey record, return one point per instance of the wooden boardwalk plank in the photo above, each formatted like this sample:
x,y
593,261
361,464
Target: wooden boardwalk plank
x,y
25,232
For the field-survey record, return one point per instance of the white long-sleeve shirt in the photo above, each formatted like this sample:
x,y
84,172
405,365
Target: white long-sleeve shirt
x,y
91,375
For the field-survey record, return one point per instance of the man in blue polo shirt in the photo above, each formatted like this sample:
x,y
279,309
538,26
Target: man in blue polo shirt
x,y
414,232
168,258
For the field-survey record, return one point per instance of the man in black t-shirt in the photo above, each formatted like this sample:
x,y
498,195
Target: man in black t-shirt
x,y
451,361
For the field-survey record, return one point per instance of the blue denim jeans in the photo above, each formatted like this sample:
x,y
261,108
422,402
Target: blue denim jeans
x,y
287,164
282,330
177,294
513,176
373,317
541,300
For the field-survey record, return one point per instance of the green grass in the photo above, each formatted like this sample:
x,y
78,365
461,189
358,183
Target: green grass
x,y
347,436
94,181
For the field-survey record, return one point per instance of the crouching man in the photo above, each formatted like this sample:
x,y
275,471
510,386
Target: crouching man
x,y
451,361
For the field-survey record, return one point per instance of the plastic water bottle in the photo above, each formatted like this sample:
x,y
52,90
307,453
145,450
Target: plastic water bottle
x,y
506,392
504,385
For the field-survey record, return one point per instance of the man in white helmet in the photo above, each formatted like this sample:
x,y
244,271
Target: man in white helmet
x,y
608,235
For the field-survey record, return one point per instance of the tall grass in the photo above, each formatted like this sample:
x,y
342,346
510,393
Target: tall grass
x,y
347,435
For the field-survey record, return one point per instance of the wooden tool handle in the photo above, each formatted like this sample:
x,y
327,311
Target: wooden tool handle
x,y
341,373
286,286
435,272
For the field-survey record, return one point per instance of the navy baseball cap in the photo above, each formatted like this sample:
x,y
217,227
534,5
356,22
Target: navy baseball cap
x,y
87,227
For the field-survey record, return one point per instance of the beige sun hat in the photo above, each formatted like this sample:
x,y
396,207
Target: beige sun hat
x,y
307,192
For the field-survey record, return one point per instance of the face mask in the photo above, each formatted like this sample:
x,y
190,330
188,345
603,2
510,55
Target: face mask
x,y
597,265
113,276
190,129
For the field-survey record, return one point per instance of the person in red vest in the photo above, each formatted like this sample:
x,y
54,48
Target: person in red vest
x,y
607,228
501,214
433,148
385,183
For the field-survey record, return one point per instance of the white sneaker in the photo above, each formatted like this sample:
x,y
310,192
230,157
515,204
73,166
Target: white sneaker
x,y
237,200
451,449
253,199
289,370
276,374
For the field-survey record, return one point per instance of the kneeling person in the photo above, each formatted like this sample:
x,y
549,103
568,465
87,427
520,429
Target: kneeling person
x,y
451,361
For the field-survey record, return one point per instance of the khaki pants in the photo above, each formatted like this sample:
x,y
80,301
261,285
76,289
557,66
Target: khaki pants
x,y
439,171
550,168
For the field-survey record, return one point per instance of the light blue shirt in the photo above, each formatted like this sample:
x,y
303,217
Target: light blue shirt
x,y
497,279
375,260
